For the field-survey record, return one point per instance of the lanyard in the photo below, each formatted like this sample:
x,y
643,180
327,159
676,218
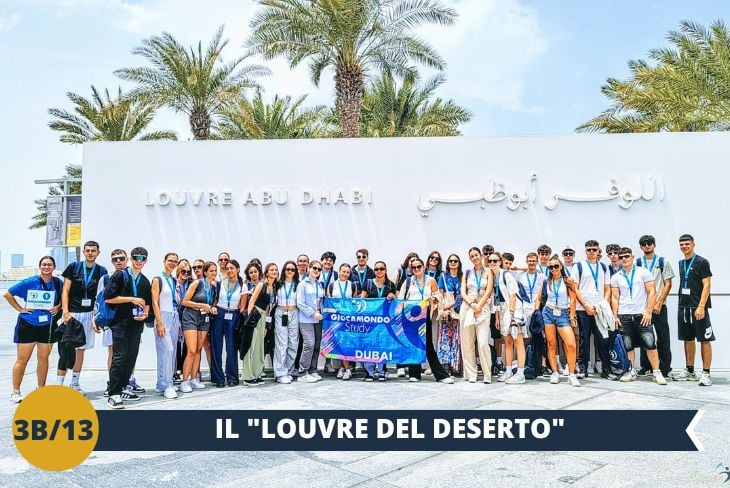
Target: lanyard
x,y
171,283
531,286
687,268
653,263
287,292
208,291
420,287
478,280
361,276
184,289
594,274
343,291
134,281
451,280
88,278
543,269
326,278
430,273
556,289
496,287
271,296
316,288
380,289
229,292
630,282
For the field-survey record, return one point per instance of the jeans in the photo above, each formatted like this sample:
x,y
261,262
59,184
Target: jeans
x,y
222,330
586,326
125,347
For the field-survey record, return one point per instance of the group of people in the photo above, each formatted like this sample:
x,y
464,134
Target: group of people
x,y
482,315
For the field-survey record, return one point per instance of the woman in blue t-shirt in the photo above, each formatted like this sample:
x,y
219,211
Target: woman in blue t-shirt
x,y
37,321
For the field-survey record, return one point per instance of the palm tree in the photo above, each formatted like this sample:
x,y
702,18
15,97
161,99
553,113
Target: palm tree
x,y
196,83
408,111
105,119
688,89
353,37
39,219
280,119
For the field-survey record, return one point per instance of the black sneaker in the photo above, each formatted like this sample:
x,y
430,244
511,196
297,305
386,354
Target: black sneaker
x,y
135,388
176,380
129,396
645,372
114,403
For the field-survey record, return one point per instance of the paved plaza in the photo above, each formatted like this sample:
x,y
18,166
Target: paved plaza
x,y
385,468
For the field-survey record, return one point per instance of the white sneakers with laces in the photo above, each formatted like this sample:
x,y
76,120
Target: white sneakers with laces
x,y
347,375
555,378
170,393
659,378
516,379
573,380
185,387
16,397
197,384
705,379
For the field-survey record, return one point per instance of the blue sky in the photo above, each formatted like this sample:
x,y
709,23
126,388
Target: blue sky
x,y
521,66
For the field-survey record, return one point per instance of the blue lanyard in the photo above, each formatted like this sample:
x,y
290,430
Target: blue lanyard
x,y
687,268
184,289
478,280
543,269
496,287
630,282
316,288
326,278
556,289
171,283
134,281
595,275
343,291
229,292
287,292
208,291
361,276
380,290
420,287
531,286
271,295
451,280
653,263
87,278
432,274
567,270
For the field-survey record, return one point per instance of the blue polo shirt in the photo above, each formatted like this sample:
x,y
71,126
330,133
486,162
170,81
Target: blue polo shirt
x,y
36,283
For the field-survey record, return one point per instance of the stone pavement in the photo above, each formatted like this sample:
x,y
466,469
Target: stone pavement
x,y
388,468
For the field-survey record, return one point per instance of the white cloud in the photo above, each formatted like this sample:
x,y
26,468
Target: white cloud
x,y
7,23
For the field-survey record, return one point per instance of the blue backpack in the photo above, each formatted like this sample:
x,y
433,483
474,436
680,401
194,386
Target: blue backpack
x,y
620,363
529,369
104,313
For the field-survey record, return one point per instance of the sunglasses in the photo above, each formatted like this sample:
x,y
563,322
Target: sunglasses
x,y
222,259
360,256
433,257
316,268
611,253
592,249
554,266
625,256
544,253
197,267
569,253
453,260
417,266
139,258
379,269
185,272
290,270
493,260
119,259
646,243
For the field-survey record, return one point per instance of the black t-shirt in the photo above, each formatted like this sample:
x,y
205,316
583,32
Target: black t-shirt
x,y
699,270
120,285
371,288
80,290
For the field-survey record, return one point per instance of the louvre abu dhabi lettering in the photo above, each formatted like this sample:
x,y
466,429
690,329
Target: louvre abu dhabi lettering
x,y
306,196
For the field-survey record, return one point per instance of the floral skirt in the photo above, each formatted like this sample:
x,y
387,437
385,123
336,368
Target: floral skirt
x,y
449,344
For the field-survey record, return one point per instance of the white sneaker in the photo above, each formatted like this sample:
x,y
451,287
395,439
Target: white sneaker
x,y
428,372
472,380
692,376
413,379
170,393
195,383
516,379
448,380
77,387
598,367
628,376
185,387
487,380
573,380
328,368
340,373
705,379
555,378
678,375
659,378
316,376
401,372
284,380
565,371
308,378
347,375
16,397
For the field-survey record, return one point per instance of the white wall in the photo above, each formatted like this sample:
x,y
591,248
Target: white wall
x,y
689,194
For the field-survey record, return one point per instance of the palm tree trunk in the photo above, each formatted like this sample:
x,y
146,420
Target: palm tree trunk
x,y
200,125
349,87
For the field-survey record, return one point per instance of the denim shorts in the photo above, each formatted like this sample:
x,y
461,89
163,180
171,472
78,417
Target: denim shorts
x,y
635,334
549,317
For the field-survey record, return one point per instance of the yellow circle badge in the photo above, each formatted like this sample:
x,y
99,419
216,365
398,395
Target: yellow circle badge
x,y
55,428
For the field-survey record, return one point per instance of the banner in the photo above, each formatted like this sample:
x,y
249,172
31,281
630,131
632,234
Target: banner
x,y
54,221
374,330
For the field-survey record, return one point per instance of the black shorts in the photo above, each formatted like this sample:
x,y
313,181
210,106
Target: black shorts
x,y
493,329
691,329
635,334
30,334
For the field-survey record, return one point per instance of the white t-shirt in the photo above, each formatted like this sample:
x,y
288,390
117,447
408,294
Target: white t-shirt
x,y
535,280
287,289
632,300
505,290
592,282
340,286
235,292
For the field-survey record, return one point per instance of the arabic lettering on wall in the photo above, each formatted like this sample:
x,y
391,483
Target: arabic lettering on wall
x,y
644,187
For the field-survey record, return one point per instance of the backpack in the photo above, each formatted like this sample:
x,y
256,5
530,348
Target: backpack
x,y
104,313
522,293
580,269
659,265
620,363
529,370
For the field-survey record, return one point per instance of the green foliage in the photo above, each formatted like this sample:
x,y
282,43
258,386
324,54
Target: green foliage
x,y
72,171
105,119
687,88
196,82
